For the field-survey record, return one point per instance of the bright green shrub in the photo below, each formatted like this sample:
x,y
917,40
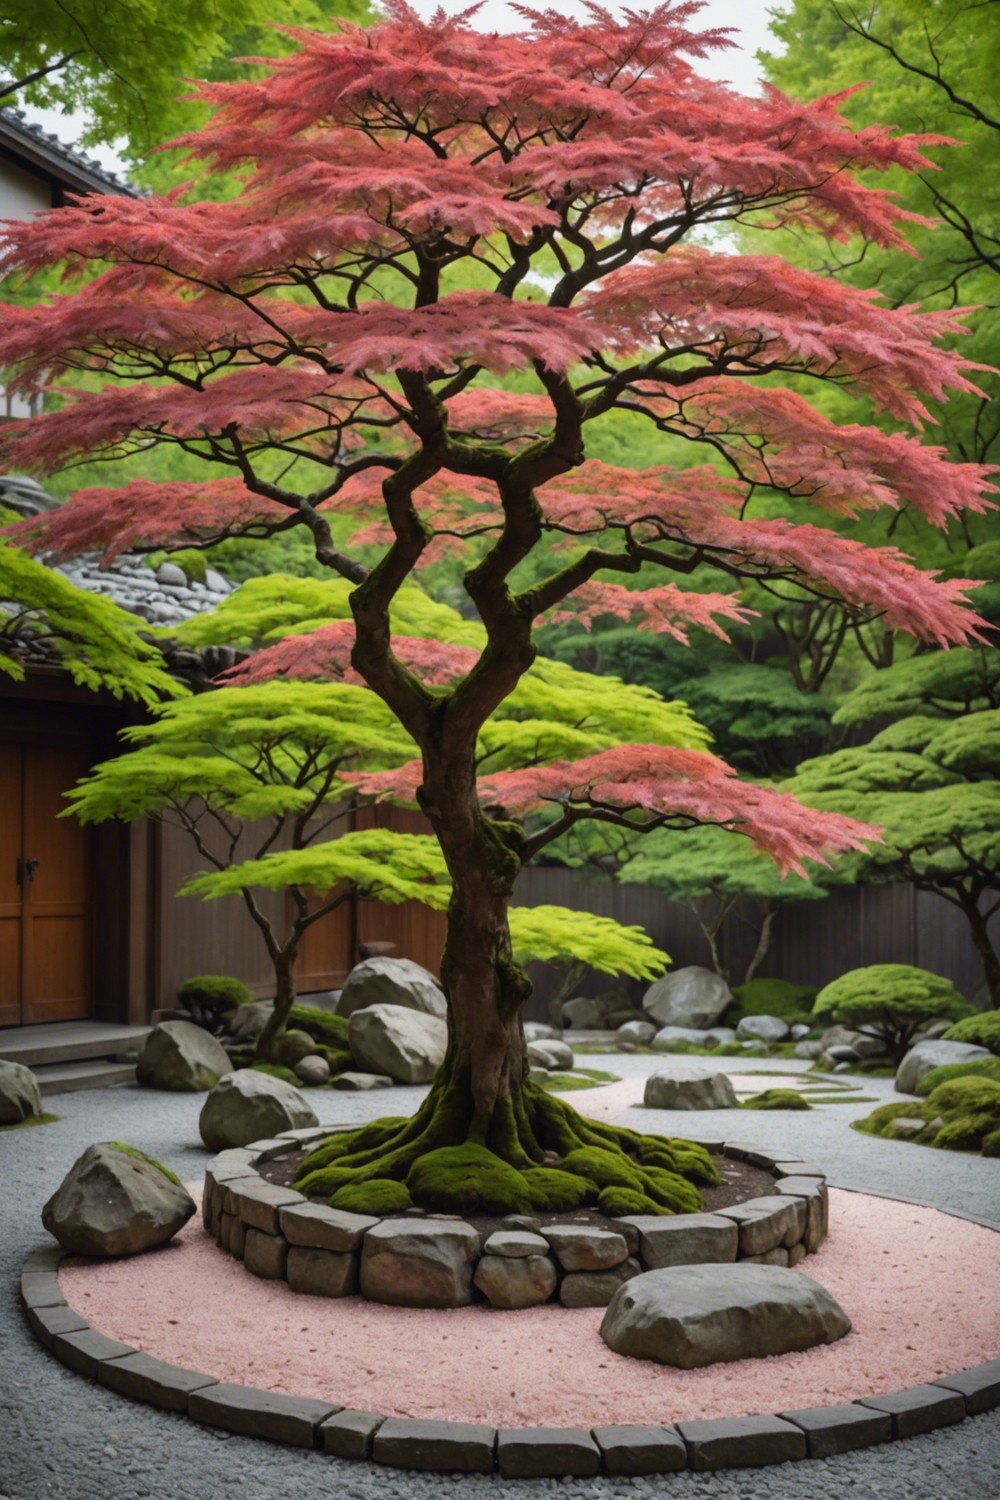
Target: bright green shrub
x,y
275,1070
982,1030
793,1003
213,995
962,1114
979,1067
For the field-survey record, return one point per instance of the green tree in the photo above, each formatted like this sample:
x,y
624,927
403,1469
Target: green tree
x,y
891,1002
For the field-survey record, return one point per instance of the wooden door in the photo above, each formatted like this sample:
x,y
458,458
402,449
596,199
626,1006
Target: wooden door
x,y
44,888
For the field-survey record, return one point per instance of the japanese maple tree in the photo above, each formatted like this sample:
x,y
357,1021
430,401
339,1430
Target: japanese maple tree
x,y
426,209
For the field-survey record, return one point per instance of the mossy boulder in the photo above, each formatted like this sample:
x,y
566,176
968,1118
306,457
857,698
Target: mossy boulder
x,y
209,997
962,1114
982,1067
982,1030
291,1047
322,1025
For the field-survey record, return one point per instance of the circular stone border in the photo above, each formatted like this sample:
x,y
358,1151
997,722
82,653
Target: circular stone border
x,y
280,1235
516,1453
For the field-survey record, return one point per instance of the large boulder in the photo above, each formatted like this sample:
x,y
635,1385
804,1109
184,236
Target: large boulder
x,y
404,1044
19,1095
392,981
762,1029
927,1055
688,997
702,1090
116,1201
180,1056
249,1106
690,1316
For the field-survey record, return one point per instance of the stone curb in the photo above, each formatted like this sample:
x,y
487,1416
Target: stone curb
x,y
463,1447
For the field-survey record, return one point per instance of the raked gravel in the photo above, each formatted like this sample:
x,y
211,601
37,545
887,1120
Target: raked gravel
x,y
62,1435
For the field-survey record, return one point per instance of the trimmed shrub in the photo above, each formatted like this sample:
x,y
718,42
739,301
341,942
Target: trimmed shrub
x,y
979,1067
212,996
889,1001
792,1003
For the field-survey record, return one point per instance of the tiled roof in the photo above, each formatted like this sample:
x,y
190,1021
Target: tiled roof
x,y
44,152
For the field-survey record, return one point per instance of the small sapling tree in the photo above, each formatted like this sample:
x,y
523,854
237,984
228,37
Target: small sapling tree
x,y
426,208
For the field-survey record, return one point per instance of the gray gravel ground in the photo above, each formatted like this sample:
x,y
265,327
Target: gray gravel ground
x,y
61,1435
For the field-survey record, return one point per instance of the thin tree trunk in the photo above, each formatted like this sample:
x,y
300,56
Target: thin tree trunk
x,y
284,997
979,927
763,941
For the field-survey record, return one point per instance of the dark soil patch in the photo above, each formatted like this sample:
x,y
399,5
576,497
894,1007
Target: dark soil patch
x,y
740,1181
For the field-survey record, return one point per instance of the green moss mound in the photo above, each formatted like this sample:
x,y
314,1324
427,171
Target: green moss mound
x,y
980,1067
619,1203
962,1114
149,1160
982,1030
792,1003
380,1196
321,1025
214,995
291,1047
467,1179
777,1099
556,1192
534,1154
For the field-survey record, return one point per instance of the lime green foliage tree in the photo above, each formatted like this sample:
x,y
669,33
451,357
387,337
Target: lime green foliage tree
x,y
125,65
712,874
44,618
890,1002
930,780
253,774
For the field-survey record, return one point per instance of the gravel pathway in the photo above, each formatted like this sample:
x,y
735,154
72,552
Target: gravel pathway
x,y
61,1435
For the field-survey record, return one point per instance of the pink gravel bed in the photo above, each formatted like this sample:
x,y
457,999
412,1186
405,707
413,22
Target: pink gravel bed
x,y
918,1285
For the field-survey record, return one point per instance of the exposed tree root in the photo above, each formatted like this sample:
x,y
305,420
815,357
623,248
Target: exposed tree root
x,y
535,1154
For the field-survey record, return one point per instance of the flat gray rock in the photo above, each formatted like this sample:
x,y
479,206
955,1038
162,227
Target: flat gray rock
x,y
690,1316
353,1082
319,1227
761,1029
246,1106
765,1223
556,1056
692,996
667,1038
392,981
925,1056
639,1032
667,1089
19,1094
404,1044
516,1243
596,1288
411,1264
506,1282
686,1239
182,1057
115,1202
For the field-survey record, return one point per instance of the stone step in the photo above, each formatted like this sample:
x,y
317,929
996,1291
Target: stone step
x,y
69,1041
68,1077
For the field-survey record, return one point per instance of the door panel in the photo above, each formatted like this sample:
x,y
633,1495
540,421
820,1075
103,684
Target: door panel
x,y
56,889
11,830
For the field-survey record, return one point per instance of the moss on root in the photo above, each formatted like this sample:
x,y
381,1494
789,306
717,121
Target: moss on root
x,y
536,1154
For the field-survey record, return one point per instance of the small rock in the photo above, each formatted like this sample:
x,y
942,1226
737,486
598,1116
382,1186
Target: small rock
x,y
799,1032
842,1054
809,1050
537,1031
762,1029
525,1281
639,1032
596,1288
355,1083
554,1055
313,1071
516,1244
584,1248
668,1036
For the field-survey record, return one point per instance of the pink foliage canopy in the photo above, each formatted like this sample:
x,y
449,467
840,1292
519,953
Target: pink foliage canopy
x,y
324,655
657,785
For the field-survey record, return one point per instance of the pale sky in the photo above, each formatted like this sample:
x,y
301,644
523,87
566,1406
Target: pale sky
x,y
736,65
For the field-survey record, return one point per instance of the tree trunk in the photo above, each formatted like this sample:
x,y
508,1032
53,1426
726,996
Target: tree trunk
x,y
284,999
979,927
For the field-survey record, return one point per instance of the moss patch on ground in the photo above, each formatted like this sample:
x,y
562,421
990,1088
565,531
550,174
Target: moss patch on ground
x,y
321,1025
777,1099
962,1114
42,1119
580,1078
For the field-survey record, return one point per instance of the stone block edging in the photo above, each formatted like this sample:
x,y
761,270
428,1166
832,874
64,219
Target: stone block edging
x,y
465,1447
279,1234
